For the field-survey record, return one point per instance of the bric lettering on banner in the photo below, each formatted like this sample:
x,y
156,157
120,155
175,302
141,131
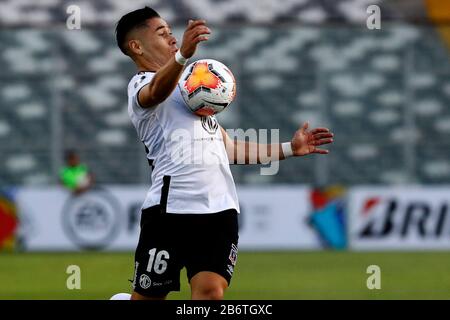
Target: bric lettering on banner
x,y
400,218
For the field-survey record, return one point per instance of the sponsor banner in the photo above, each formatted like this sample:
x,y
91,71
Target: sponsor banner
x,y
399,218
8,221
108,218
53,219
328,217
276,217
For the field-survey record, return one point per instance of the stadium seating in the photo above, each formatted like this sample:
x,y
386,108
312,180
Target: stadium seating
x,y
51,12
384,93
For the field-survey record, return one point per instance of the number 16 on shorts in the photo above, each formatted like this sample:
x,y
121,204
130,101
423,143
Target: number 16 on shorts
x,y
157,261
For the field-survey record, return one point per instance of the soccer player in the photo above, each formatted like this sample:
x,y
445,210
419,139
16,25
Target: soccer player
x,y
189,216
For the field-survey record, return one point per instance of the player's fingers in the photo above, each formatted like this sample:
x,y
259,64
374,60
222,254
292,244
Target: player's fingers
x,y
201,38
195,33
321,151
305,126
322,141
317,130
200,30
195,23
323,135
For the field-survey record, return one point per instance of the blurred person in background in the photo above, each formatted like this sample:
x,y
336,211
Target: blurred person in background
x,y
75,176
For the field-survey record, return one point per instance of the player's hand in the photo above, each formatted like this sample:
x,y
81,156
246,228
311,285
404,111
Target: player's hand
x,y
307,141
195,32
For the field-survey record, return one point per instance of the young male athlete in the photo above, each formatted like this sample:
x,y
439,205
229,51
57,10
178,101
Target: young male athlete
x,y
189,216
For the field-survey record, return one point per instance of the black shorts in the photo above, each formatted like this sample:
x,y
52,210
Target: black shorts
x,y
168,242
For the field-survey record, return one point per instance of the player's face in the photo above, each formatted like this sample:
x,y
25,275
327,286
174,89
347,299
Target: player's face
x,y
158,43
73,160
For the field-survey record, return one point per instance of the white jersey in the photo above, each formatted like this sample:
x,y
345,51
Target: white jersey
x,y
190,168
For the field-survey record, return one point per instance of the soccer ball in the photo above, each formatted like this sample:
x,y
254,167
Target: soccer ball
x,y
121,296
207,87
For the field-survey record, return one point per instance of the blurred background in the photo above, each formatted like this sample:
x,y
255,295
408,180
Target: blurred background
x,y
380,198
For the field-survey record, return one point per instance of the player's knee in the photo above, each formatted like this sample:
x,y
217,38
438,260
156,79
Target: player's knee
x,y
208,286
210,293
137,296
215,293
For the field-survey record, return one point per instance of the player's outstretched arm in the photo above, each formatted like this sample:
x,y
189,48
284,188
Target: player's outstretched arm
x,y
304,142
166,78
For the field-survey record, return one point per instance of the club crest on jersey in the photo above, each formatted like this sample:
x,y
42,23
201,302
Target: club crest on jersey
x,y
233,254
210,124
144,281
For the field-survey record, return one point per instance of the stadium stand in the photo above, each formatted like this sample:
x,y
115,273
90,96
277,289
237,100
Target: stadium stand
x,y
385,92
105,12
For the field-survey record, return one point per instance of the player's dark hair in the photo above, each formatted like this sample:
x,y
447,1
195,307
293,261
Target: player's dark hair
x,y
70,153
130,21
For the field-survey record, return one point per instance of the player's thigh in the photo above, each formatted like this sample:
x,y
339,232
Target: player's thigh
x,y
214,247
157,256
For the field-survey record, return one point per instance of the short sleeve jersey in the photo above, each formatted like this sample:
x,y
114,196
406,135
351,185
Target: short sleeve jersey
x,y
186,150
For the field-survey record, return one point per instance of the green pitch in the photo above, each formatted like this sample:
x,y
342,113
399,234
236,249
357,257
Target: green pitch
x,y
284,275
